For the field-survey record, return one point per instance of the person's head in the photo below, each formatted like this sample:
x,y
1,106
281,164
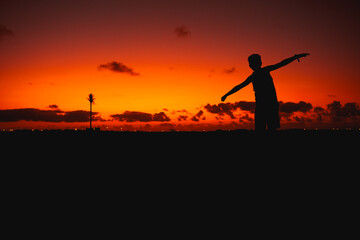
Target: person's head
x,y
255,61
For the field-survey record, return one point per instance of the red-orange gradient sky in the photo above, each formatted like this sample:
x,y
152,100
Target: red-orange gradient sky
x,y
156,65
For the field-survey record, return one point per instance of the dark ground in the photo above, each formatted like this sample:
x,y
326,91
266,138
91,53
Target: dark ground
x,y
223,145
220,153
297,183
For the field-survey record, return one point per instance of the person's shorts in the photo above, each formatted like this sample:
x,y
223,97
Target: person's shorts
x,y
267,115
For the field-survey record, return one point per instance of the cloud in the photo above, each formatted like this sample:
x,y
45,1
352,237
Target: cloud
x,y
29,114
230,70
53,106
338,112
133,116
182,32
56,115
197,116
118,67
319,109
4,31
293,115
246,106
222,109
291,107
246,118
335,112
286,109
79,116
182,118
160,117
335,115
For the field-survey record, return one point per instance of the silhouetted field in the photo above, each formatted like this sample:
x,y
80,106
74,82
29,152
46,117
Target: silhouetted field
x,y
298,167
171,144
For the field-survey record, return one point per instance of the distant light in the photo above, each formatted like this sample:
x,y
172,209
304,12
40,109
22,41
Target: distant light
x,y
75,129
11,130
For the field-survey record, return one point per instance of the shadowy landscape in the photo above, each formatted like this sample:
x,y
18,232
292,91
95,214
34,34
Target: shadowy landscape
x,y
236,145
159,167
158,70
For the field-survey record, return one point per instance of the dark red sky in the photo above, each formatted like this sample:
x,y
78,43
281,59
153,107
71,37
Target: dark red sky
x,y
185,55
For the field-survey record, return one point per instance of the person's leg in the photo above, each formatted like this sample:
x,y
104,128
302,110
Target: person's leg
x,y
260,120
273,120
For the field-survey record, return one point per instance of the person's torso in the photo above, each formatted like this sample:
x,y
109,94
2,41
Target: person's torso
x,y
264,87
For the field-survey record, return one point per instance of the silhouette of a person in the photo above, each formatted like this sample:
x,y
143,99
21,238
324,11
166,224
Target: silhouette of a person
x,y
267,106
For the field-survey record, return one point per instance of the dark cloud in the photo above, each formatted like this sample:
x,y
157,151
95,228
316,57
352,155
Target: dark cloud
x,y
79,116
118,67
182,111
4,31
230,70
335,114
319,110
338,112
197,116
182,118
291,107
222,109
182,32
160,117
246,118
246,106
319,113
56,115
133,116
286,109
30,114
54,106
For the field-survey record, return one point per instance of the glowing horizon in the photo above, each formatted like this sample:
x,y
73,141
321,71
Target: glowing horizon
x,y
137,56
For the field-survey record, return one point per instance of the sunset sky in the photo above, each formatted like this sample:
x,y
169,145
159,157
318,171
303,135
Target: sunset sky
x,y
156,65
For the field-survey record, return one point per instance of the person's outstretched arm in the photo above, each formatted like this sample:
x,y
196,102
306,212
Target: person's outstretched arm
x,y
286,62
237,88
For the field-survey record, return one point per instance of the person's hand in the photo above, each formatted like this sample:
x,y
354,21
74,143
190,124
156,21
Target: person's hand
x,y
301,55
223,98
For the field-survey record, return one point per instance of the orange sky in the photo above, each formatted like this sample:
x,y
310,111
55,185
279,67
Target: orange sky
x,y
50,53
